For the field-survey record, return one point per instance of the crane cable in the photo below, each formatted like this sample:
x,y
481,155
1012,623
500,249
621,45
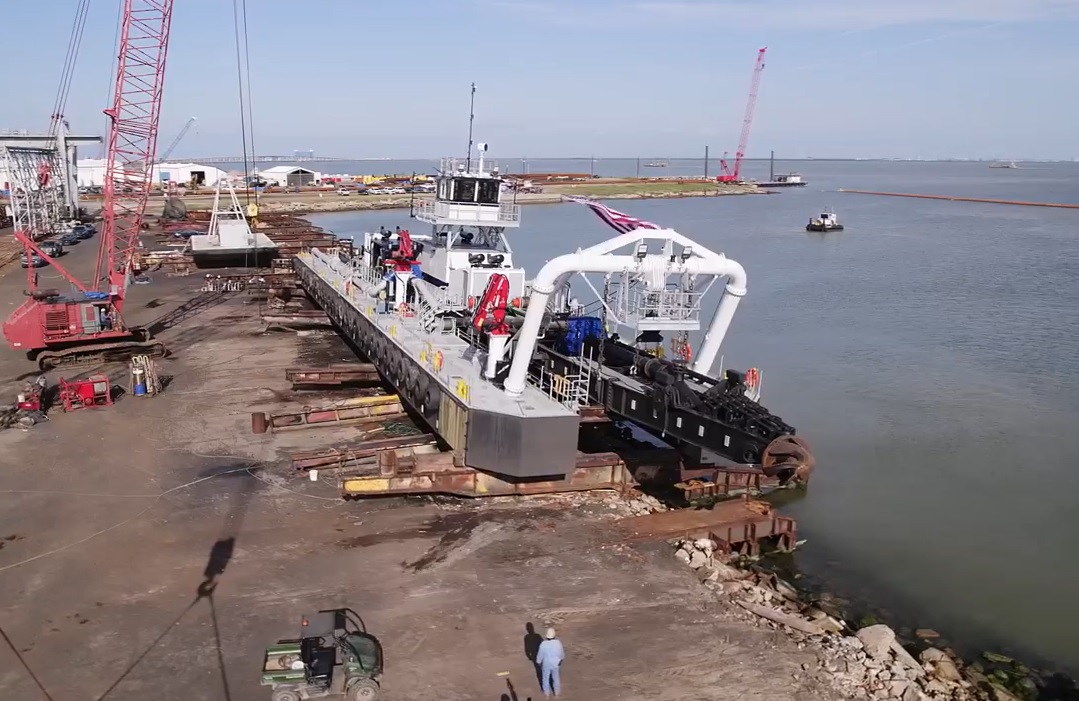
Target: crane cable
x,y
78,26
112,73
244,111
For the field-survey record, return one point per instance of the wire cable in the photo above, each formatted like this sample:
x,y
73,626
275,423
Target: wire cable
x,y
67,74
113,527
240,85
112,74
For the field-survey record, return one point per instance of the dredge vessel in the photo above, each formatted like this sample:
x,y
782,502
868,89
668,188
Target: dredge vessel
x,y
504,370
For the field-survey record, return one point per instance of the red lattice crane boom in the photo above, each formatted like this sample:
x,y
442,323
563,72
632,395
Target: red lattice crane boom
x,y
735,175
87,324
134,115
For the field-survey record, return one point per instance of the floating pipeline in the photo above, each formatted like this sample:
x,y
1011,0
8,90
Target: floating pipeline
x,y
949,198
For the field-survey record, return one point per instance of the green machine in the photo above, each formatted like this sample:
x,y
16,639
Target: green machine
x,y
334,655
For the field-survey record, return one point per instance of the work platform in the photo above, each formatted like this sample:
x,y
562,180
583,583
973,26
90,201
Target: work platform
x,y
440,375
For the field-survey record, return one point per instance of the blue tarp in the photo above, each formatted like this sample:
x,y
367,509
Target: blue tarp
x,y
95,295
580,329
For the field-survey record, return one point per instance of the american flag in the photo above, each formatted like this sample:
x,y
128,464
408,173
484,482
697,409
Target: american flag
x,y
619,221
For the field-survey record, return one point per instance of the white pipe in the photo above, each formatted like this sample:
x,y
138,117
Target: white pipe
x,y
597,260
374,291
496,349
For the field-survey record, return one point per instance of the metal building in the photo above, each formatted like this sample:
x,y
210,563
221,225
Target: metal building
x,y
290,176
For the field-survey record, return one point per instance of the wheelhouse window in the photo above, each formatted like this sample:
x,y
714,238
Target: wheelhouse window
x,y
443,189
464,190
488,192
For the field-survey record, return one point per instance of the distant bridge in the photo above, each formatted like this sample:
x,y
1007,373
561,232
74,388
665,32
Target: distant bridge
x,y
267,159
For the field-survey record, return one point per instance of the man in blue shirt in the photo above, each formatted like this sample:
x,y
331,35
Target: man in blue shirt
x,y
549,658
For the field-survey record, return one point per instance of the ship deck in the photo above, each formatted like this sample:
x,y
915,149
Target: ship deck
x,y
461,373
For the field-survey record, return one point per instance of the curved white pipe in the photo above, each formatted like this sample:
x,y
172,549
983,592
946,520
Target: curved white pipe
x,y
374,291
597,260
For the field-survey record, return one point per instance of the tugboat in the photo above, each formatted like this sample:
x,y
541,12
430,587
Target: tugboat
x,y
825,221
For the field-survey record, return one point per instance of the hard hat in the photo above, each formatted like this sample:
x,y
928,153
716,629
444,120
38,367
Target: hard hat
x,y
550,634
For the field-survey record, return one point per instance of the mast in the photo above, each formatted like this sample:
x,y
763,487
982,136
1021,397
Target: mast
x,y
772,167
471,118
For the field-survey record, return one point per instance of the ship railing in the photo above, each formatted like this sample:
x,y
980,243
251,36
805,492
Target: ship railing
x,y
464,213
663,309
453,166
564,389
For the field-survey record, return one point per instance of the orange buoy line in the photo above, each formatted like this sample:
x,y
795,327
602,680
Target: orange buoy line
x,y
949,198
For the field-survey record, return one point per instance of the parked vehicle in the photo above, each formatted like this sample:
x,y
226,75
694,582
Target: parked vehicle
x,y
36,260
70,239
52,249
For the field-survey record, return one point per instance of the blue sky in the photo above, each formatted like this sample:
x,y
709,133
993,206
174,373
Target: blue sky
x,y
369,78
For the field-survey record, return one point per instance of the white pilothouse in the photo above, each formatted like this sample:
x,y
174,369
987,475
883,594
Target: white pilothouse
x,y
467,243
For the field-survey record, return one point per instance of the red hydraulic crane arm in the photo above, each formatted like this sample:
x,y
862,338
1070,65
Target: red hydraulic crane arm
x,y
490,313
134,114
751,106
404,245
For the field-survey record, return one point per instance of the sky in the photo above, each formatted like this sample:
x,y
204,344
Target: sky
x,y
603,78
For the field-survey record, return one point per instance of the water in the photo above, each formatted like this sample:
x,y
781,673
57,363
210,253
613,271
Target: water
x,y
930,355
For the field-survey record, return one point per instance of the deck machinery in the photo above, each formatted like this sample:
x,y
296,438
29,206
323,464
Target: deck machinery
x,y
501,367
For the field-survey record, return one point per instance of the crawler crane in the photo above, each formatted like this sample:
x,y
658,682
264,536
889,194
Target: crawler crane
x,y
86,324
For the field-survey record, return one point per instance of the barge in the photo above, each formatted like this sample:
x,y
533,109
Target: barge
x,y
502,368
789,180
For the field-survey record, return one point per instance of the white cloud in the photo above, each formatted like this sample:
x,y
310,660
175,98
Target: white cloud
x,y
795,15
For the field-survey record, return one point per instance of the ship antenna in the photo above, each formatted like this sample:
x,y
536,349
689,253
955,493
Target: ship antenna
x,y
471,118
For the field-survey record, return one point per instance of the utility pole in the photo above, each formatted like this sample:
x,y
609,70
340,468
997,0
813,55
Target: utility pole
x,y
471,118
705,162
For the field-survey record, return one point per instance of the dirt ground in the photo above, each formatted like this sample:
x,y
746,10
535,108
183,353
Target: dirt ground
x,y
111,519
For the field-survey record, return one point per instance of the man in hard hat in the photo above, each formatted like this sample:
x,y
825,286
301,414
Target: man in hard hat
x,y
549,658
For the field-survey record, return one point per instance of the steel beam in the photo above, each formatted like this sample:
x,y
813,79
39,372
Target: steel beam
x,y
738,525
335,375
348,411
416,472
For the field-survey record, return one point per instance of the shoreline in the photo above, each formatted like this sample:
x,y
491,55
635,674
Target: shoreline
x,y
866,659
328,202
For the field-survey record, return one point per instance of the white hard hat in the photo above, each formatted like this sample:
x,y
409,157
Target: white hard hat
x,y
550,634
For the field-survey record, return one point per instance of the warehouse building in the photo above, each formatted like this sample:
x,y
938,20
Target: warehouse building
x,y
92,174
290,176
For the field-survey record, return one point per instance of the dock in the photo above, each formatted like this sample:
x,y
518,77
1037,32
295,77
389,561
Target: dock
x,y
952,198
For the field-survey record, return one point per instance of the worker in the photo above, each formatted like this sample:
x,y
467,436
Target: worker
x,y
549,658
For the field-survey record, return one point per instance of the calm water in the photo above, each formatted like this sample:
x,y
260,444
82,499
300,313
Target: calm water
x,y
930,354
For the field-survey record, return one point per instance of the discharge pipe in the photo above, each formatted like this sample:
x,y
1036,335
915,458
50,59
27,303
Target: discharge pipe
x,y
597,259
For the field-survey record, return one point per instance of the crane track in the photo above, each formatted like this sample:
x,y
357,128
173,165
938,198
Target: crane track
x,y
100,353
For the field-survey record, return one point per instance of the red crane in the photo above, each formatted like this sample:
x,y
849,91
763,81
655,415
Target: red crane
x,y
490,314
87,325
734,176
